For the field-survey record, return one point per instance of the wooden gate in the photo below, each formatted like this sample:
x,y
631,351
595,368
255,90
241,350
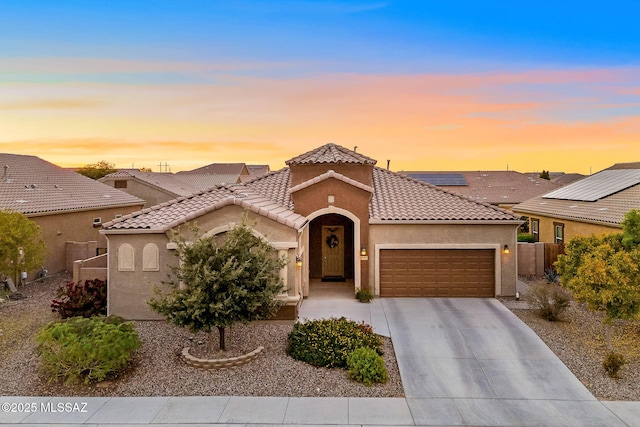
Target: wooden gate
x,y
551,252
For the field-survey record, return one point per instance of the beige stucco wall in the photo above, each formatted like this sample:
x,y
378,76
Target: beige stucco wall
x,y
58,229
571,228
129,291
151,195
450,236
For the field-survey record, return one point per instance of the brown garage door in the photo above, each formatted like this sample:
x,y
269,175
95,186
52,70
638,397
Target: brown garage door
x,y
437,273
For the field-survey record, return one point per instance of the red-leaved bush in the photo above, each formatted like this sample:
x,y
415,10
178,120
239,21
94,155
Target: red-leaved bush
x,y
82,299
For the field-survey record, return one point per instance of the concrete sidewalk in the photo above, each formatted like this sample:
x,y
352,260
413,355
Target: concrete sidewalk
x,y
463,362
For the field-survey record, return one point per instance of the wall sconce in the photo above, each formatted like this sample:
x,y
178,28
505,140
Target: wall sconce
x,y
363,251
506,249
298,262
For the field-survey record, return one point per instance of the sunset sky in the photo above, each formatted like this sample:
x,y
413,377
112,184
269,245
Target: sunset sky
x,y
431,84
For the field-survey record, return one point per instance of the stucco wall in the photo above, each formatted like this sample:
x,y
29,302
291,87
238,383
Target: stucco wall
x,y
571,228
461,236
129,290
151,195
58,229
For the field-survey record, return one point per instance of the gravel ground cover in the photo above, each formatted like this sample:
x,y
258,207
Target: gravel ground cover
x,y
578,339
157,369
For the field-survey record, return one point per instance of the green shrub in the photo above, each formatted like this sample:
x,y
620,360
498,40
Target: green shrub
x,y
82,299
366,366
526,237
612,364
328,342
550,300
364,295
86,349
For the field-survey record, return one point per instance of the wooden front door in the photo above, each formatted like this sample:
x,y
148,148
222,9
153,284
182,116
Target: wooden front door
x,y
332,251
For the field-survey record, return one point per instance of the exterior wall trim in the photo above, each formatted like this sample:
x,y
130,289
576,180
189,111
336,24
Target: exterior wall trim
x,y
495,247
97,208
356,238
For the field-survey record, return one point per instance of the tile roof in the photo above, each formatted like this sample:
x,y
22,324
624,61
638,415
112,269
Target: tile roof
x,y
34,186
220,168
327,175
608,208
178,185
170,214
397,197
394,197
331,153
498,187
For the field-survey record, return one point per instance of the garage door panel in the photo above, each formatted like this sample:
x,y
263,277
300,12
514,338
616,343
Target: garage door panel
x,y
437,273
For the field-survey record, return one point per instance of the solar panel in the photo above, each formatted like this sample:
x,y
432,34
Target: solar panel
x,y
441,179
597,186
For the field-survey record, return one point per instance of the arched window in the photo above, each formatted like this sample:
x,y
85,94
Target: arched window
x,y
126,258
150,258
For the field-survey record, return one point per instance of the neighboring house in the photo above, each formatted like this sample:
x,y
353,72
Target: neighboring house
x,y
67,206
334,216
159,187
593,205
499,188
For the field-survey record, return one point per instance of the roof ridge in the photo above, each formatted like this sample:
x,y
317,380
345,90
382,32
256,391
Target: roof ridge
x,y
331,153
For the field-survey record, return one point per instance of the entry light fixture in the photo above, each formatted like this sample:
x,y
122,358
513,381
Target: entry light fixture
x,y
298,262
506,249
363,251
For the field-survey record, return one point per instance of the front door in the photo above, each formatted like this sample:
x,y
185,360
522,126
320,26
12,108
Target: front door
x,y
332,251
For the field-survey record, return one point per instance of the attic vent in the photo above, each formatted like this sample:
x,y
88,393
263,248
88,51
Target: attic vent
x,y
21,201
241,195
107,196
573,206
57,186
31,186
603,209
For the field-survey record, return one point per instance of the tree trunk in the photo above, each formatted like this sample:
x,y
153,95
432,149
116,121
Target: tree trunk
x,y
211,349
221,333
607,328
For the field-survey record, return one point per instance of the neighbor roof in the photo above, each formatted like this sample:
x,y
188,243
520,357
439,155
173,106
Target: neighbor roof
x,y
220,168
604,197
178,185
331,153
494,187
34,186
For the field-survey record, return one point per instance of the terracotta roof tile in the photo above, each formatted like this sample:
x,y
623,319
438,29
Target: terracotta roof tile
x,y
167,215
331,153
34,186
397,197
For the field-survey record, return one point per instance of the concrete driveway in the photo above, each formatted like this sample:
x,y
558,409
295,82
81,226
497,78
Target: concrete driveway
x,y
473,362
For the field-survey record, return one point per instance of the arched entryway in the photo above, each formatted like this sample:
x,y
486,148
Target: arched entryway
x,y
334,242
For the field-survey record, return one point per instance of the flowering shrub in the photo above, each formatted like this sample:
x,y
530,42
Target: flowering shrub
x,y
84,300
328,342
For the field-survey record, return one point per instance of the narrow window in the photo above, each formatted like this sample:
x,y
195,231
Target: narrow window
x,y
558,228
120,183
535,229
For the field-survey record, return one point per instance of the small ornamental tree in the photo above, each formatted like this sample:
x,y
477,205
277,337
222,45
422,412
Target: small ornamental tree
x,y
235,281
21,245
604,273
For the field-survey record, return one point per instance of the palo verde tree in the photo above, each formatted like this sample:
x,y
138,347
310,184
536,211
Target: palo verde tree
x,y
21,245
219,284
604,272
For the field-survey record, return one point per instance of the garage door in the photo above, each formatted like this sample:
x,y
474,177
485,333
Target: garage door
x,y
437,273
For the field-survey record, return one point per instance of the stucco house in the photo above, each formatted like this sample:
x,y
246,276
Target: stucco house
x,y
336,217
67,206
593,205
159,187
